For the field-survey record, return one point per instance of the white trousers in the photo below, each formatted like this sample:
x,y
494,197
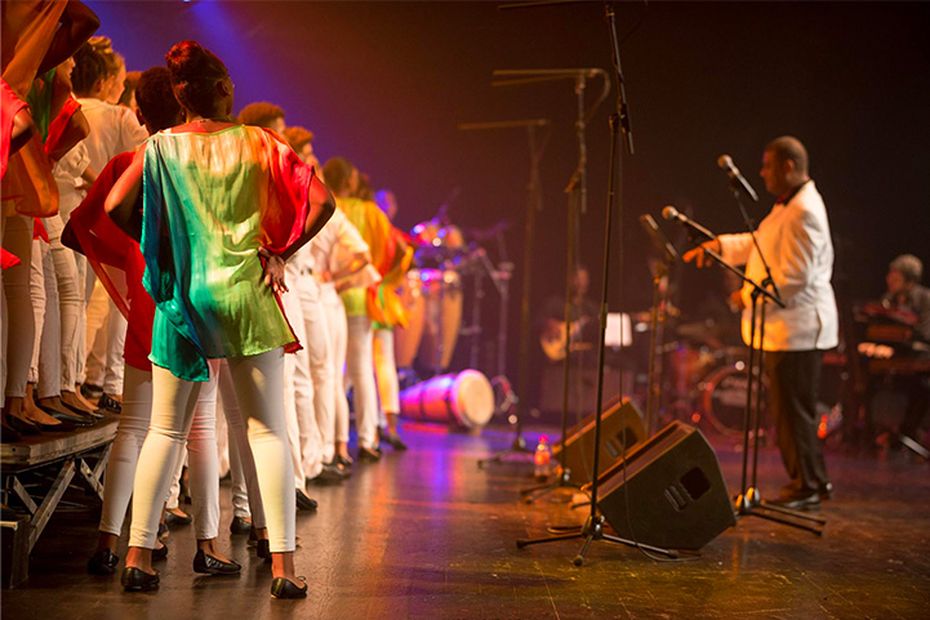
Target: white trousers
x,y
297,399
130,465
43,289
337,329
386,371
246,495
259,383
95,340
70,302
315,382
18,318
361,375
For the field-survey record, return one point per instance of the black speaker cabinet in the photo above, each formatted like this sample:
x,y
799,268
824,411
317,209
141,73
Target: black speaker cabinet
x,y
621,428
673,488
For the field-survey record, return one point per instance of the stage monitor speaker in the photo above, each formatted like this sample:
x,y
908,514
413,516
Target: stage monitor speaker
x,y
673,494
621,429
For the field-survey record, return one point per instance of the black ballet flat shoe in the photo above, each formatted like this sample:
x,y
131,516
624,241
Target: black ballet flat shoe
x,y
306,503
91,391
108,404
103,563
330,474
282,587
345,461
369,455
263,550
137,580
209,565
163,531
394,440
160,553
69,418
61,427
21,425
240,526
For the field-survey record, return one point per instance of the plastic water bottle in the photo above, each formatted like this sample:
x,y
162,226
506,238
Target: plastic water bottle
x,y
542,458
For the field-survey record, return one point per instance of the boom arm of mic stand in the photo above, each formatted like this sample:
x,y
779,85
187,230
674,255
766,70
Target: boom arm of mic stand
x,y
769,280
762,290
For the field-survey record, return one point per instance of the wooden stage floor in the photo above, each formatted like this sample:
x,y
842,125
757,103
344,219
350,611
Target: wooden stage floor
x,y
427,534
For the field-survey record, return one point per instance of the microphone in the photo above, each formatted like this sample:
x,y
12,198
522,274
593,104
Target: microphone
x,y
670,213
725,163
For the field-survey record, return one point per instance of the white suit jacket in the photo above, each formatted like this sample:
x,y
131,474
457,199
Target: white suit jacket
x,y
795,239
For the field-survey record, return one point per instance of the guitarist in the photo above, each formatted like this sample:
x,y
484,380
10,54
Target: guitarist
x,y
583,324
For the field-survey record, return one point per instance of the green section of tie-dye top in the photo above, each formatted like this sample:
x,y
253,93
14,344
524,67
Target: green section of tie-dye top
x,y
208,201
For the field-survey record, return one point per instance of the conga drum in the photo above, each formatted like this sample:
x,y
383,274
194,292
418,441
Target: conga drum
x,y
443,292
465,400
407,339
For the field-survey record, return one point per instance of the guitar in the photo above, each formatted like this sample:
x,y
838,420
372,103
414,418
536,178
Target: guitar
x,y
553,343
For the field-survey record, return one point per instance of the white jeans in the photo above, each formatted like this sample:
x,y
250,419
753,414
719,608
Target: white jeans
x,y
361,374
246,495
337,325
259,385
141,436
18,318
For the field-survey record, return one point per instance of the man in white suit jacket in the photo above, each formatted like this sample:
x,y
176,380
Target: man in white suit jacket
x,y
795,240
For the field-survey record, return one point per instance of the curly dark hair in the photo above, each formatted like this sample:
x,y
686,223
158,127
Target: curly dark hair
x,y
260,114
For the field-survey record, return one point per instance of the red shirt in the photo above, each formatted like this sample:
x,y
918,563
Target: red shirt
x,y
107,249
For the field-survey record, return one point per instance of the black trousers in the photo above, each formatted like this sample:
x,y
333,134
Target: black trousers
x,y
794,378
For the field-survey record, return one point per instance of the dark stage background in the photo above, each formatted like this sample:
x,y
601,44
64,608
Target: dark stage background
x,y
385,85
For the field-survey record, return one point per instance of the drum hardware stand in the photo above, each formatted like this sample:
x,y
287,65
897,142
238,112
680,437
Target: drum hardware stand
x,y
593,527
657,318
534,204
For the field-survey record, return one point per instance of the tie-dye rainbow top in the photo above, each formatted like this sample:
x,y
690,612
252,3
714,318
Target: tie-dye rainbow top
x,y
210,201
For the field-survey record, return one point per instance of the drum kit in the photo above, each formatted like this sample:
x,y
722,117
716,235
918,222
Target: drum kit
x,y
434,295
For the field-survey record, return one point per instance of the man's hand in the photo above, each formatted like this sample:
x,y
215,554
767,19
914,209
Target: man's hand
x,y
699,254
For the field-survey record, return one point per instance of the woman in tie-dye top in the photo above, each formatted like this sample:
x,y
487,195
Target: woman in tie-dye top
x,y
224,205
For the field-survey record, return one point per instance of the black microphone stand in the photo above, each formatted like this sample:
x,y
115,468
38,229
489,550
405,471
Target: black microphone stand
x,y
577,190
749,502
533,206
593,528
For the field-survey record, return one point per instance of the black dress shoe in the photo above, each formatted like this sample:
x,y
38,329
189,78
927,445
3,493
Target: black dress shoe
x,y
103,563
207,564
304,502
240,526
345,461
801,500
263,549
160,553
137,580
369,455
282,587
826,490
